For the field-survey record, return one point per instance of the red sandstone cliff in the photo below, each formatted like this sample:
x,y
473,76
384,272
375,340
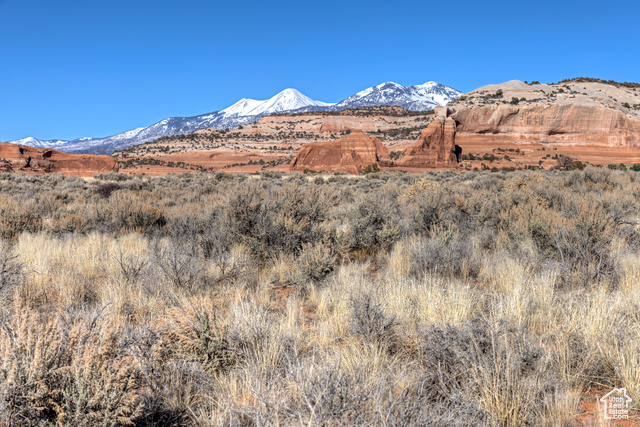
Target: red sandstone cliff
x,y
573,112
40,160
557,123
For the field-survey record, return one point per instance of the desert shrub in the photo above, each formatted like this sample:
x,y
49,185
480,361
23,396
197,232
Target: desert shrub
x,y
112,176
105,190
373,225
171,391
371,169
214,241
12,271
210,237
359,349
16,218
193,333
269,174
583,245
131,267
423,203
128,213
369,321
70,223
173,382
281,220
314,264
491,374
601,176
178,262
65,370
446,255
429,205
569,164
329,393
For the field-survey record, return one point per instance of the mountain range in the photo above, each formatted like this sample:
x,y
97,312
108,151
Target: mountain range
x,y
416,98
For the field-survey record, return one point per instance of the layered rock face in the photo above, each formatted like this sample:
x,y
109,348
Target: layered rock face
x,y
557,123
350,154
436,147
41,160
571,112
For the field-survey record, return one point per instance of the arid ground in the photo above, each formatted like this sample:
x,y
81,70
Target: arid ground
x,y
445,298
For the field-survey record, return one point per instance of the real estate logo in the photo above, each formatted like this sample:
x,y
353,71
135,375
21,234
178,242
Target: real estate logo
x,y
616,404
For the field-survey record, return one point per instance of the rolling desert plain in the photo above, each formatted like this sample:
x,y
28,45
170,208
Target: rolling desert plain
x,y
407,256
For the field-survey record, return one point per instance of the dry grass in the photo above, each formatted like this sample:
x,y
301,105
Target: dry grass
x,y
207,300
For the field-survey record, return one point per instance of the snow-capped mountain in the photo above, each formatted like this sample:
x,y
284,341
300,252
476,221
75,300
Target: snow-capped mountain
x,y
287,100
417,98
421,97
34,142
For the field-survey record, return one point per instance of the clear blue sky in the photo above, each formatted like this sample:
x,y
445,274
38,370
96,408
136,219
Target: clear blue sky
x,y
71,68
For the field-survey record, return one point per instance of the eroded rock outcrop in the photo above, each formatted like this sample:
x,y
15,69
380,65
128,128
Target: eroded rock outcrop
x,y
557,123
42,160
351,154
575,112
437,144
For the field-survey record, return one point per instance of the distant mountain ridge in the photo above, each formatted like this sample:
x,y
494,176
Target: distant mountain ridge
x,y
419,97
416,98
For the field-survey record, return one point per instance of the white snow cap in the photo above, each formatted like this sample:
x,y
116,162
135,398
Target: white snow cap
x,y
287,100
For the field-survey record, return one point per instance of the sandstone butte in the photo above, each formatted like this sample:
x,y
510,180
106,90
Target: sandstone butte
x,y
351,154
41,160
436,146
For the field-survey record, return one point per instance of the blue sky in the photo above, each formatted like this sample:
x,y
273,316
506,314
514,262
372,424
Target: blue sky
x,y
71,68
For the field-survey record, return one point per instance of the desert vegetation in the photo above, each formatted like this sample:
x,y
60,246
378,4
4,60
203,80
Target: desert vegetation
x,y
496,299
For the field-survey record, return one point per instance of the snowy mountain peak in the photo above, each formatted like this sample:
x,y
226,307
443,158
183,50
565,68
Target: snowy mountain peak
x,y
26,141
291,92
420,97
34,142
389,85
287,100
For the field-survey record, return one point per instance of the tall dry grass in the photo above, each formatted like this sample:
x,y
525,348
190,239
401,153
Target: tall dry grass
x,y
444,299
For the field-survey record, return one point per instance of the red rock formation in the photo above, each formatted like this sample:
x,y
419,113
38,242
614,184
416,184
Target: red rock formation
x,y
350,154
556,123
436,147
41,160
